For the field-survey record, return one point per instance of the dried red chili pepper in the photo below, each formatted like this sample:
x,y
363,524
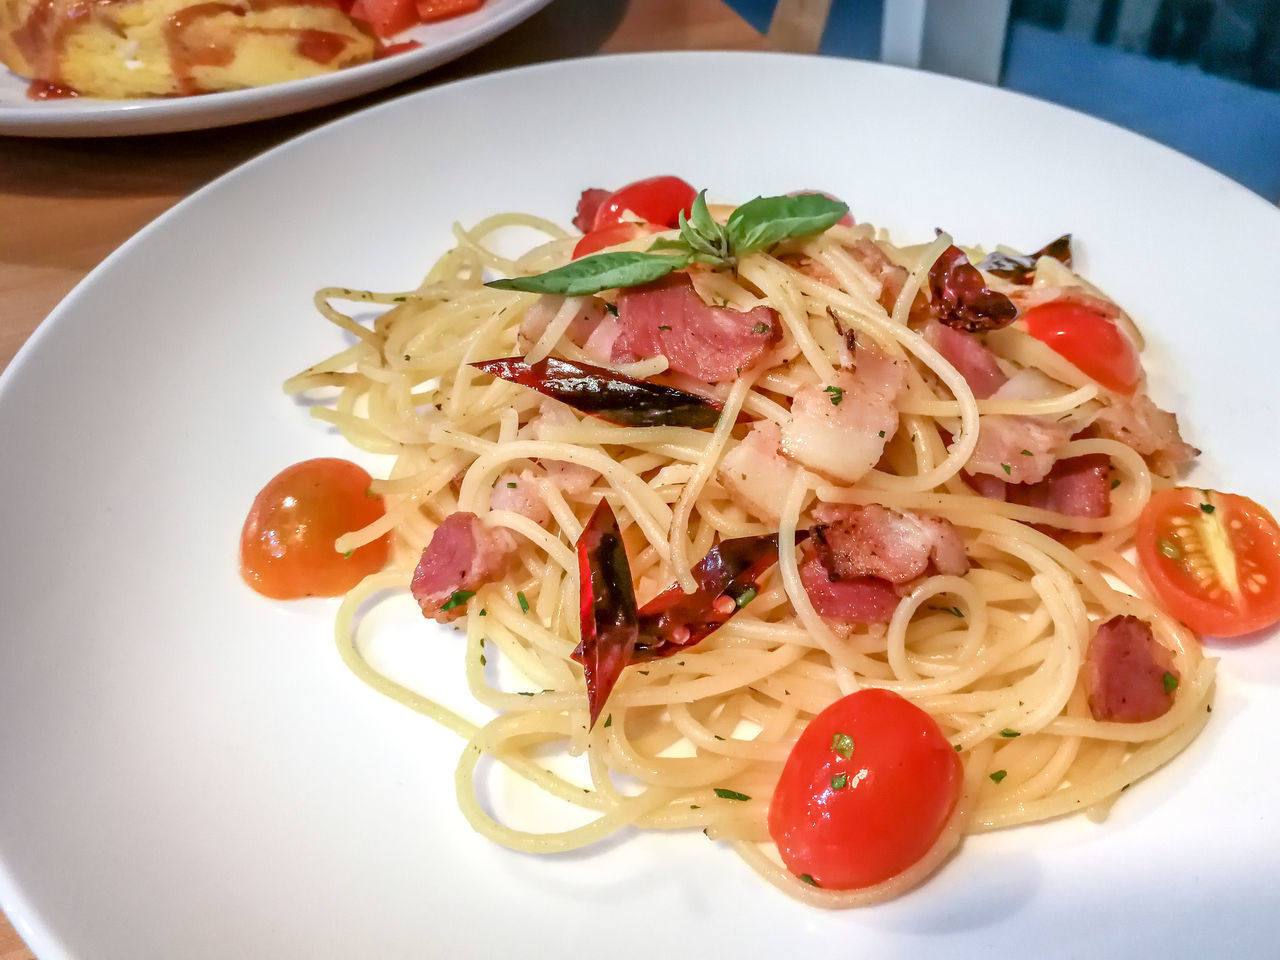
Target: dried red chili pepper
x,y
607,605
960,297
1020,269
608,395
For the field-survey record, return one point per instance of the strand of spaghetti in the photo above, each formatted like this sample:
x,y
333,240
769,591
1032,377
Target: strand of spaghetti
x,y
344,635
992,405
649,512
570,307
677,544
764,271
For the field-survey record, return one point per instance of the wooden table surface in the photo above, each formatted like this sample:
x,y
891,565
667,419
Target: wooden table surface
x,y
67,203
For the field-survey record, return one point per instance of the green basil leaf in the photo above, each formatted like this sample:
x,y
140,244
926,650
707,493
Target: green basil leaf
x,y
701,219
764,221
669,243
604,271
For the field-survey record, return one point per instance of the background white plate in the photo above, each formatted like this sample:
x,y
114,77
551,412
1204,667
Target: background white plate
x,y
83,117
186,769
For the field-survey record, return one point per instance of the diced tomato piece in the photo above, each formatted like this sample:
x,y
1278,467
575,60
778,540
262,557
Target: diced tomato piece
x,y
1090,339
430,10
386,17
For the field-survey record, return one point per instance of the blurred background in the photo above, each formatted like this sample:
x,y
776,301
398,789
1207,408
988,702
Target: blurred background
x,y
1202,76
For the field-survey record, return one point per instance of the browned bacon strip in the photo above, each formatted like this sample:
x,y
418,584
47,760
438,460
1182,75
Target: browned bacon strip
x,y
1128,675
462,556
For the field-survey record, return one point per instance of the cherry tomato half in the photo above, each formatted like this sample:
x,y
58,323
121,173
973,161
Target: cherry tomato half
x,y
655,200
1213,558
286,546
866,791
1091,340
597,240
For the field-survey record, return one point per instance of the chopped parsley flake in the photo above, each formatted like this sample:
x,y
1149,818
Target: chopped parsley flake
x,y
457,599
762,329
842,744
1006,468
347,555
1114,484
958,748
524,604
808,879
1170,683
881,434
483,613
608,721
837,394
999,775
1009,734
406,356
1208,507
839,781
695,806
398,299
664,328
483,661
511,484
746,596
612,308
724,794
1027,453
525,693
954,611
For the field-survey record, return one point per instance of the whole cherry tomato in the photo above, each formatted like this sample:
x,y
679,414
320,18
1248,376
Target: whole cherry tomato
x,y
1084,335
286,546
1213,558
865,792
657,200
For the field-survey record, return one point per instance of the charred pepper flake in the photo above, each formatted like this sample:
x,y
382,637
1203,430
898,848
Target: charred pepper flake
x,y
674,620
607,607
613,397
1021,269
960,297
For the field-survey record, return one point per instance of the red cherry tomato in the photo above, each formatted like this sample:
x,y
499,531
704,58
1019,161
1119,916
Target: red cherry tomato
x,y
597,240
286,546
866,791
1213,559
1087,337
655,200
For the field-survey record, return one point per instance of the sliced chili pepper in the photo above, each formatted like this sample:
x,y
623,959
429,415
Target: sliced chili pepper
x,y
960,297
607,607
1020,269
608,395
728,578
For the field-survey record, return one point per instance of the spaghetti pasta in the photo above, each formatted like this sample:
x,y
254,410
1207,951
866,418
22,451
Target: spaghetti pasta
x,y
993,650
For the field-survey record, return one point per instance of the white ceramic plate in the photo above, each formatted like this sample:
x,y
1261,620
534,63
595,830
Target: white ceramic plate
x,y
186,769
83,117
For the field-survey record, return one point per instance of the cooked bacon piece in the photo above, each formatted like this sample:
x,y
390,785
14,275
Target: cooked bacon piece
x,y
1140,424
1020,449
581,330
1128,675
519,493
755,474
588,204
462,555
711,344
862,600
1075,487
892,278
872,541
966,353
840,429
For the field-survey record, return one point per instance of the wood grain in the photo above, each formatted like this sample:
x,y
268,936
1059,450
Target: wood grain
x,y
65,205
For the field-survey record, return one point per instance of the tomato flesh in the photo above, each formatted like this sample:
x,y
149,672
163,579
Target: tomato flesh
x,y
1213,559
286,546
1087,337
611,236
855,820
656,200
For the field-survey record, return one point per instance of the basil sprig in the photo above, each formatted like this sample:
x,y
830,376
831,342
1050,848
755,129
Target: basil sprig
x,y
756,225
